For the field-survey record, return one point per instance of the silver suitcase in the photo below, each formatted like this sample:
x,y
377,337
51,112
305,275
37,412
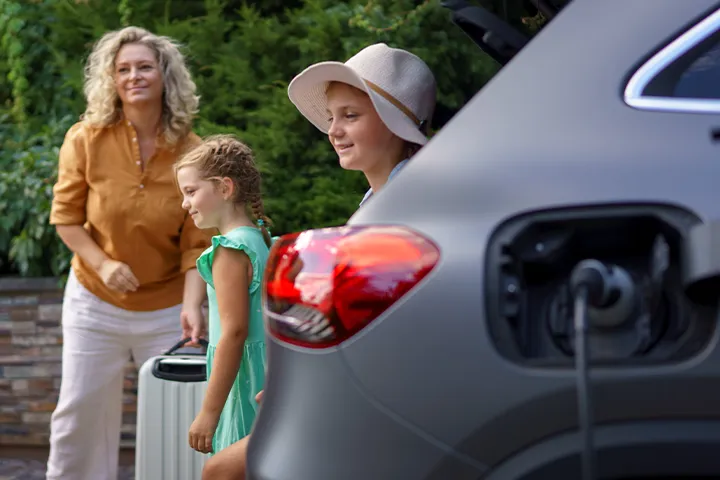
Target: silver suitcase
x,y
171,388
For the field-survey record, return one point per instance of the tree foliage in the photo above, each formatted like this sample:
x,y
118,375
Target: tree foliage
x,y
242,55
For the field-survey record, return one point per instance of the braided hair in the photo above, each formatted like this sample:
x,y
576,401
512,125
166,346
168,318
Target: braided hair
x,y
220,156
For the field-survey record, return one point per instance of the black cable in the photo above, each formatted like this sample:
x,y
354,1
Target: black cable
x,y
608,293
582,370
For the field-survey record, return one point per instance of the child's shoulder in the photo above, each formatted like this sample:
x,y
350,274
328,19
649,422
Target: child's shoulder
x,y
246,239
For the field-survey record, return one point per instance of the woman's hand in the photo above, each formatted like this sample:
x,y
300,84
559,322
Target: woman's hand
x,y
258,397
193,325
118,276
202,431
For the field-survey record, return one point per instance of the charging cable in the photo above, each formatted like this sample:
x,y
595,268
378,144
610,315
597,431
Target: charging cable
x,y
608,293
582,371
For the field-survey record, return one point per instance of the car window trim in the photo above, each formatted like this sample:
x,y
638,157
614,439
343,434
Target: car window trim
x,y
644,75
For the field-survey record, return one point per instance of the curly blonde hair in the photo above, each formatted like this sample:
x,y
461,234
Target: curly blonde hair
x,y
180,103
220,156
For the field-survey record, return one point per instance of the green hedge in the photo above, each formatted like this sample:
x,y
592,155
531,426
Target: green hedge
x,y
242,55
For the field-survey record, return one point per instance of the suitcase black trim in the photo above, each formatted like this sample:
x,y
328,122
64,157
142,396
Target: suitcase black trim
x,y
165,368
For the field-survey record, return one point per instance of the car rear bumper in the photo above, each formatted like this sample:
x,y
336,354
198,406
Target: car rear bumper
x,y
317,424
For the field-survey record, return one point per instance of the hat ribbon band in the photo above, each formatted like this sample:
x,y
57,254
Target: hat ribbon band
x,y
397,103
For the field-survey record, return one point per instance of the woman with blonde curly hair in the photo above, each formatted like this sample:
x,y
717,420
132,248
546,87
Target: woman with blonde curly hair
x,y
133,288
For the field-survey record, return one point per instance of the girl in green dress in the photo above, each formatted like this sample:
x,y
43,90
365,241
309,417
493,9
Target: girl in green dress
x,y
220,184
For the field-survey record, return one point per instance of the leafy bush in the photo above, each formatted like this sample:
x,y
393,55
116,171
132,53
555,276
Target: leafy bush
x,y
243,55
28,168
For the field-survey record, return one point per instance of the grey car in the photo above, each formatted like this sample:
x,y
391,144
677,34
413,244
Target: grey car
x,y
535,296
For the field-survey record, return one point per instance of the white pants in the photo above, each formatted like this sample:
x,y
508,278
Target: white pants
x,y
97,341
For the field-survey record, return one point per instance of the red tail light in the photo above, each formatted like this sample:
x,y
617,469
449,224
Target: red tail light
x,y
324,286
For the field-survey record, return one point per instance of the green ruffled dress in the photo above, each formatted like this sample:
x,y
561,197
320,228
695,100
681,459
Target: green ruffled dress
x,y
238,415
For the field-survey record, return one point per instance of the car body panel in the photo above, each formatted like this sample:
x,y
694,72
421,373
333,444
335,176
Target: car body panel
x,y
301,444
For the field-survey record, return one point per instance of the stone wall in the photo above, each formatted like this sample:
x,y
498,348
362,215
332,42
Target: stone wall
x,y
30,363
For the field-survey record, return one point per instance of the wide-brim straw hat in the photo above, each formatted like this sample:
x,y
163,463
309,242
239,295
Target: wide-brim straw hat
x,y
399,84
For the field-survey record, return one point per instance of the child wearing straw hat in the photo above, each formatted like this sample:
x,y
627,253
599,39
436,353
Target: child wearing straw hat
x,y
376,108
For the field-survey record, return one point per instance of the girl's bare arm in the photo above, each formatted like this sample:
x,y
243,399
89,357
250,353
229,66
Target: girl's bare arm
x,y
231,271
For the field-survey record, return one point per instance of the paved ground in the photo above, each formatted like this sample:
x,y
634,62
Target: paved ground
x,y
13,469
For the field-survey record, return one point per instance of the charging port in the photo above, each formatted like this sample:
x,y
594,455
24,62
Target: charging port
x,y
529,263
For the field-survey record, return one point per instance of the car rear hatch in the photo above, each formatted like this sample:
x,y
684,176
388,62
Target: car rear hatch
x,y
497,36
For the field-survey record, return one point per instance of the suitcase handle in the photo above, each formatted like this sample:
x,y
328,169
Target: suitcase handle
x,y
182,343
178,369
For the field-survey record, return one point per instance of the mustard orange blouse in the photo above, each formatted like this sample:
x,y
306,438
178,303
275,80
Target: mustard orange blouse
x,y
134,215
